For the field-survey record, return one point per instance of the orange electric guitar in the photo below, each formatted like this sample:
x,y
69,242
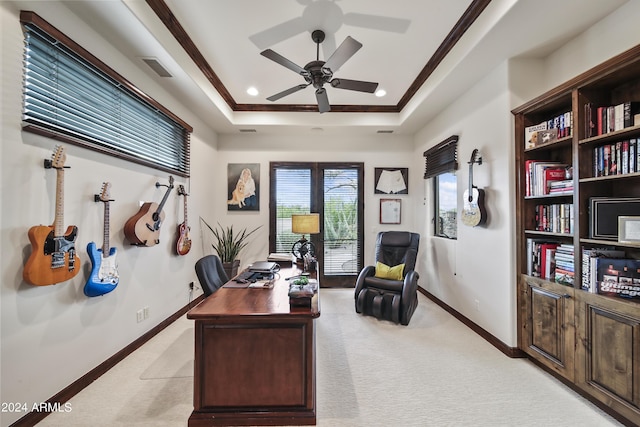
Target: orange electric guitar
x,y
143,229
53,256
183,242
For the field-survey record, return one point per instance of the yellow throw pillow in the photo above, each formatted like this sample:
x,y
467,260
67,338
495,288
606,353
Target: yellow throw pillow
x,y
383,271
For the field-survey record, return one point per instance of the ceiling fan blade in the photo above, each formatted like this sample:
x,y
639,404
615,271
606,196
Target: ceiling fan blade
x,y
376,22
358,85
286,92
276,57
323,100
345,51
278,33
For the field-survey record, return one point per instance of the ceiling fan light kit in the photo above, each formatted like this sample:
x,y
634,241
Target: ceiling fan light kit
x,y
318,72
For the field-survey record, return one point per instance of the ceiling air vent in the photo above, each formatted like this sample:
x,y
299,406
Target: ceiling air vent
x,y
384,131
157,67
248,130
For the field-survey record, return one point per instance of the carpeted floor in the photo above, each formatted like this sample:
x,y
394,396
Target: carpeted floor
x,y
434,372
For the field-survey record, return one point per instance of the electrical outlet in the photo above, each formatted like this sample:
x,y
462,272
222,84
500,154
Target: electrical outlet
x,y
139,316
191,286
145,312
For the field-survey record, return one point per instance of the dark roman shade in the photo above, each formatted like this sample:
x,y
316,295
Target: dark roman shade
x,y
72,96
441,158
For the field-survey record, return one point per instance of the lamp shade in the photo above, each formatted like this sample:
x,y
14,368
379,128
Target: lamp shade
x,y
305,224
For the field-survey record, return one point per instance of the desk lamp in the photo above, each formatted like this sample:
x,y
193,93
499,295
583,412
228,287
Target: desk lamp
x,y
304,224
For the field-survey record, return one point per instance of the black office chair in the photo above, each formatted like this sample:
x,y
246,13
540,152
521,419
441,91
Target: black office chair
x,y
210,274
390,299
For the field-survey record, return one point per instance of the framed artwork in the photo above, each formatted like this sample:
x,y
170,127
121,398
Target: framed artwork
x,y
390,211
243,187
392,180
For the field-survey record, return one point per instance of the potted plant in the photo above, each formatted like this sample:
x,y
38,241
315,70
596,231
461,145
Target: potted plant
x,y
228,243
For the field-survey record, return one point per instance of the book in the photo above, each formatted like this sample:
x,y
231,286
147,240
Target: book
x,y
531,134
589,255
619,277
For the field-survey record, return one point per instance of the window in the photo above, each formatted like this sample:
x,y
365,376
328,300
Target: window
x,y
335,191
72,96
445,190
441,162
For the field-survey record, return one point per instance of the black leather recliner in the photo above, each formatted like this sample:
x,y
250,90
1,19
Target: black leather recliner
x,y
210,274
388,299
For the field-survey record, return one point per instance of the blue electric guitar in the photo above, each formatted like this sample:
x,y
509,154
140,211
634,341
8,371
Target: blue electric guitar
x,y
104,269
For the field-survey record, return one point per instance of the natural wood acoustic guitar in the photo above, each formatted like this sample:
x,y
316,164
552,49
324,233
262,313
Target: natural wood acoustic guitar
x,y
53,256
143,229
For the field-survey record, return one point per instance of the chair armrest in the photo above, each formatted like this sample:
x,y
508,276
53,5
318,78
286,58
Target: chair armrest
x,y
367,271
410,284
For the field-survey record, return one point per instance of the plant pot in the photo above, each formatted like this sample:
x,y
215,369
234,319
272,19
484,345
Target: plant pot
x,y
231,268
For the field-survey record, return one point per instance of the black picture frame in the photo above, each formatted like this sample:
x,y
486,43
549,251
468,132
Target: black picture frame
x,y
391,180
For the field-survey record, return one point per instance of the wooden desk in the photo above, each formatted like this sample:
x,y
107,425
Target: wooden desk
x,y
254,357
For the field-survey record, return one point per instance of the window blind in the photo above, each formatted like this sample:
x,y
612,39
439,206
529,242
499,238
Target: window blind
x,y
68,98
441,158
293,196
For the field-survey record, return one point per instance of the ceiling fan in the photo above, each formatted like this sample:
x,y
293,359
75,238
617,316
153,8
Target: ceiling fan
x,y
318,72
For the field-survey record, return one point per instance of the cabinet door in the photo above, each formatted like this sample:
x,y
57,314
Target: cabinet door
x,y
547,329
608,352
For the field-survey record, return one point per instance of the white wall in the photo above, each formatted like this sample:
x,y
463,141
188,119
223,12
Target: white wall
x,y
478,266
375,151
53,335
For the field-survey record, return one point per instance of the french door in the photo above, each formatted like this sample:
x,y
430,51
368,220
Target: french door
x,y
333,190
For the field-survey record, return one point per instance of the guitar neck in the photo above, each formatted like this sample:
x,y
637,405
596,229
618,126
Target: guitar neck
x,y
161,205
58,220
186,224
105,241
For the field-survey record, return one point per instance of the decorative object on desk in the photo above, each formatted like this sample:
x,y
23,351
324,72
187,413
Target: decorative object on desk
x,y
304,224
473,211
629,230
143,229
390,211
243,186
391,180
301,290
227,243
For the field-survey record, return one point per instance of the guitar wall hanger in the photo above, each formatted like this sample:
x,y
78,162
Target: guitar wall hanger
x,y
48,164
98,198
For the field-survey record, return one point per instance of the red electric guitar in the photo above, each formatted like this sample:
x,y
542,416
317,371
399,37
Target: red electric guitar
x,y
183,242
53,257
143,229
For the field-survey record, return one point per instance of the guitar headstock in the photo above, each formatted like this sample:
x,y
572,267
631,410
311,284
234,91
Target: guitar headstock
x,y
170,181
58,157
475,157
181,190
105,192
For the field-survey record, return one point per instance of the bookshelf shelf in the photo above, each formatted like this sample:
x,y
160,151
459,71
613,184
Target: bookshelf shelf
x,y
563,322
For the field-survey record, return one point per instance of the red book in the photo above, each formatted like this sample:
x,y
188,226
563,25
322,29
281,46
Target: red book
x,y
552,174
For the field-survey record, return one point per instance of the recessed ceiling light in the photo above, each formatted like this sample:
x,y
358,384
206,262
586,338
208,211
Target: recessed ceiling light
x,y
252,91
380,93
